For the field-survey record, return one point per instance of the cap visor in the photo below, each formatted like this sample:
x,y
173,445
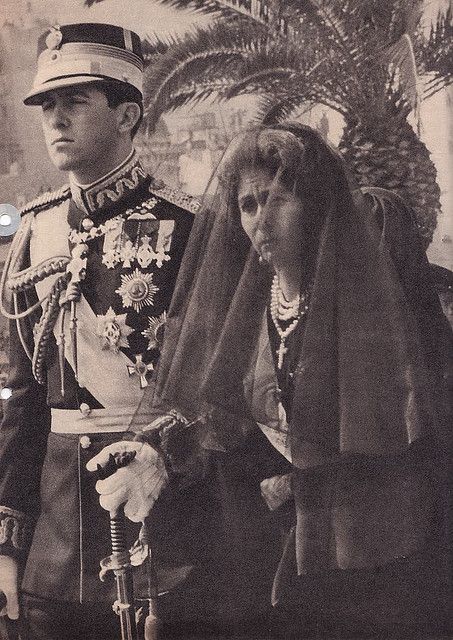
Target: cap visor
x,y
36,95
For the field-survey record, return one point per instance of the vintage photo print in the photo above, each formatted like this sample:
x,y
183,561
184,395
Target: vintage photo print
x,y
226,320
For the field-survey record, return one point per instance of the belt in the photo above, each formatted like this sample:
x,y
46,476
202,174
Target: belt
x,y
113,420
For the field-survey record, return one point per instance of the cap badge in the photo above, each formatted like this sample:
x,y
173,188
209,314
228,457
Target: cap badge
x,y
54,38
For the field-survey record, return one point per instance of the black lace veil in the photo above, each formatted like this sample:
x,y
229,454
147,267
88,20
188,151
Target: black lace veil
x,y
370,358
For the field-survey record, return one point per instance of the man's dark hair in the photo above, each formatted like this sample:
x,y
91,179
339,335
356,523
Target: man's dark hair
x,y
119,92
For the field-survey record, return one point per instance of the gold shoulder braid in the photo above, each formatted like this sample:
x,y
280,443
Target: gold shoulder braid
x,y
179,198
15,280
48,199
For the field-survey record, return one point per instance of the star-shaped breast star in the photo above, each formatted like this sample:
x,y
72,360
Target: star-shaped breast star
x,y
113,331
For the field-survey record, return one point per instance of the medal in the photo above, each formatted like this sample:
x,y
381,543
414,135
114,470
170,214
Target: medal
x,y
145,253
164,239
127,254
140,369
113,331
155,331
137,290
111,258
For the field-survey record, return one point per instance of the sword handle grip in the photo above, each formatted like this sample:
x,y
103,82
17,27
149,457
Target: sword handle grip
x,y
117,534
124,606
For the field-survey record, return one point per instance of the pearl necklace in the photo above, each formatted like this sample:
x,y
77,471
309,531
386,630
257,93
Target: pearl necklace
x,y
281,309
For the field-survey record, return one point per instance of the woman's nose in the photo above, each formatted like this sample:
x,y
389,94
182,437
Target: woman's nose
x,y
264,218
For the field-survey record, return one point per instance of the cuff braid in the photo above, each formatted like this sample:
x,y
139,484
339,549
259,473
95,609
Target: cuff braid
x,y
14,532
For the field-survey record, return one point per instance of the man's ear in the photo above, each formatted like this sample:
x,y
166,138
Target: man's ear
x,y
128,116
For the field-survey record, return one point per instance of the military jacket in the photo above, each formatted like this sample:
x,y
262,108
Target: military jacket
x,y
88,281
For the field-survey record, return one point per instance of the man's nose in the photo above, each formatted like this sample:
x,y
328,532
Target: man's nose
x,y
59,117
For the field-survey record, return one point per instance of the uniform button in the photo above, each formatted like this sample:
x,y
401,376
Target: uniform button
x,y
85,442
85,409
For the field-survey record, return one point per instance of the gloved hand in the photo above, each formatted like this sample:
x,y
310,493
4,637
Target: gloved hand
x,y
9,586
137,485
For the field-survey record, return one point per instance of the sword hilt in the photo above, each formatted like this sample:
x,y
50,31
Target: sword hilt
x,y
119,561
117,533
115,462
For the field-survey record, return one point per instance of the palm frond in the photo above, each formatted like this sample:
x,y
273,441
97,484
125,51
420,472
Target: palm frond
x,y
204,6
375,55
278,59
341,32
402,57
242,58
256,82
436,53
162,89
196,62
272,110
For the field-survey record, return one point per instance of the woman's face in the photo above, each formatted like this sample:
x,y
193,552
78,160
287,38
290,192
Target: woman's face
x,y
272,217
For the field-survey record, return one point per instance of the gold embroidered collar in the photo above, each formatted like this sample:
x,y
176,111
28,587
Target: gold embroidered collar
x,y
112,187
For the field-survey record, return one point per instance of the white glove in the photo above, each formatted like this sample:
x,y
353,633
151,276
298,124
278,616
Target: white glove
x,y
10,587
136,485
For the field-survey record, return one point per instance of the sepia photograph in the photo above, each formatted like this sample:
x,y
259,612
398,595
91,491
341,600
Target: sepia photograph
x,y
226,320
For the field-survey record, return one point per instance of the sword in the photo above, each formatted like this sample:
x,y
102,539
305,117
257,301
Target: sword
x,y
119,561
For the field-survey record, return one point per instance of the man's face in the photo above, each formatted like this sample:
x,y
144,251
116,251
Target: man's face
x,y
80,129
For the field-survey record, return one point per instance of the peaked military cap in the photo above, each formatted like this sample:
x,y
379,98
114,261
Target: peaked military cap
x,y
82,53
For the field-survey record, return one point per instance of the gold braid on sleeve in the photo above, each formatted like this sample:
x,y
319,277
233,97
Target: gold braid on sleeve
x,y
14,531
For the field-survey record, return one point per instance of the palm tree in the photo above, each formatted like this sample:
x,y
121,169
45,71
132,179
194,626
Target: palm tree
x,y
369,60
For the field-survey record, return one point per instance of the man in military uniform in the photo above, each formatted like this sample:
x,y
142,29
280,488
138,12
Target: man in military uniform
x,y
88,281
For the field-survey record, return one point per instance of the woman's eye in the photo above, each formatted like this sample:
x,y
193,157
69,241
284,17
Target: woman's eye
x,y
248,205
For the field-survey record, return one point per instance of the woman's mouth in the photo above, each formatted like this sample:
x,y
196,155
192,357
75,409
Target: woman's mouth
x,y
265,249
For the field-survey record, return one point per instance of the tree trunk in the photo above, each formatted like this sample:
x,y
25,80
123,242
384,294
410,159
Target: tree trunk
x,y
386,152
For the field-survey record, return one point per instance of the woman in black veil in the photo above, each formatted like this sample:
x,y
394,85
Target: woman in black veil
x,y
304,311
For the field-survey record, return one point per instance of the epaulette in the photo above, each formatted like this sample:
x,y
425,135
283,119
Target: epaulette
x,y
48,199
179,198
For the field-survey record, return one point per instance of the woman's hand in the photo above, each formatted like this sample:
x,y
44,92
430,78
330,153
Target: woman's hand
x,y
137,485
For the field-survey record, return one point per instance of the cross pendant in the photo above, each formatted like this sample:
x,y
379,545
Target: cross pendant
x,y
281,352
140,369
